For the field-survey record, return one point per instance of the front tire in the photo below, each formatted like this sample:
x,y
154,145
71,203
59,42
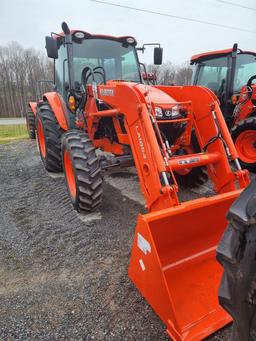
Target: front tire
x,y
49,138
244,137
82,171
31,124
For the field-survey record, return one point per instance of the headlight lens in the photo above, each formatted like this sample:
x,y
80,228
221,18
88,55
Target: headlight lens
x,y
159,112
174,112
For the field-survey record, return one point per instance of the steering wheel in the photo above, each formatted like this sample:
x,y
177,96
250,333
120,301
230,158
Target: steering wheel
x,y
91,72
249,83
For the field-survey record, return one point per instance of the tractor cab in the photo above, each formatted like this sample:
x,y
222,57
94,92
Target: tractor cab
x,y
224,72
81,57
114,58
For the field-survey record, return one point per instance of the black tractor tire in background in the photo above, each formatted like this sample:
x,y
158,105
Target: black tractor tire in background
x,y
31,124
49,138
194,177
82,171
244,137
236,253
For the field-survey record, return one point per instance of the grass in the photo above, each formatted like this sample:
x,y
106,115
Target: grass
x,y
12,132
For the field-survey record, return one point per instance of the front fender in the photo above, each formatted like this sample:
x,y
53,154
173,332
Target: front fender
x,y
33,106
58,107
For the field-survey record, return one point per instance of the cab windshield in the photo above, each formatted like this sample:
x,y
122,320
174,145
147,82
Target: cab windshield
x,y
118,60
212,73
245,69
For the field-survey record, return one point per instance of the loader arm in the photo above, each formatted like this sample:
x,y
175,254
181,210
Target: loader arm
x,y
209,122
148,158
155,167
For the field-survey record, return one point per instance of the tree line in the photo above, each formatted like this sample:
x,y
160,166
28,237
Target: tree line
x,y
21,69
171,74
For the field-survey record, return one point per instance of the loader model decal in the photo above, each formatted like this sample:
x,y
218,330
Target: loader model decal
x,y
143,244
142,148
188,161
142,265
107,92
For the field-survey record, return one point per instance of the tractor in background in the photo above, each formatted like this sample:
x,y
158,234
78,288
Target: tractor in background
x,y
172,135
231,75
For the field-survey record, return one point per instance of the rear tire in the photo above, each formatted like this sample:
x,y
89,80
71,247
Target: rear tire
x,y
31,124
244,137
194,177
49,138
82,171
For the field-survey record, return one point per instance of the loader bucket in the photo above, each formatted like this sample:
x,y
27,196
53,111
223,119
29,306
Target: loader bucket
x,y
173,265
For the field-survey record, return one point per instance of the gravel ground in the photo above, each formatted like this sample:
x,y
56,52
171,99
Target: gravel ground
x,y
63,276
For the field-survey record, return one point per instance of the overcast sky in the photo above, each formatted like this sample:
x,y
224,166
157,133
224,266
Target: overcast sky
x,y
29,21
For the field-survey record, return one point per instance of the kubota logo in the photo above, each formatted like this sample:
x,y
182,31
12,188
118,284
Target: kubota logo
x,y
142,148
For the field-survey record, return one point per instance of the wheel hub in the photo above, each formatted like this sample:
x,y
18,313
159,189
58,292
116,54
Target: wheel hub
x,y
246,146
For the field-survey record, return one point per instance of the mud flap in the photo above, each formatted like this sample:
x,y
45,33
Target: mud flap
x,y
173,264
237,254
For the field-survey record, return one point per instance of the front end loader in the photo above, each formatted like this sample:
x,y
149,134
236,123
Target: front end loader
x,y
174,136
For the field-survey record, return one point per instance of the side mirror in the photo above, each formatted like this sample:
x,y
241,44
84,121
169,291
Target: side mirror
x,y
158,55
51,47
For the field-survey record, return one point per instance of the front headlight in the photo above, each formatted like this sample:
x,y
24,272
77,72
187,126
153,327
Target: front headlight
x,y
174,112
159,112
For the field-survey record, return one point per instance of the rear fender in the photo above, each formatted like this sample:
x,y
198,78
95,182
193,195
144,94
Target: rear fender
x,y
32,106
58,107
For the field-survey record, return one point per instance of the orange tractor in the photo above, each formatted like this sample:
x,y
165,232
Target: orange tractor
x,y
231,75
172,135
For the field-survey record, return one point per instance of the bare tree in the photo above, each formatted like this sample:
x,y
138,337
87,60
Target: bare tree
x,y
183,74
20,70
170,74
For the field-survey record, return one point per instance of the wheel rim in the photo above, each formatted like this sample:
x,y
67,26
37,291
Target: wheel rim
x,y
70,176
41,139
246,146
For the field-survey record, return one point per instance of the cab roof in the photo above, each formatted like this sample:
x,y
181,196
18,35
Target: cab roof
x,y
88,35
216,54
